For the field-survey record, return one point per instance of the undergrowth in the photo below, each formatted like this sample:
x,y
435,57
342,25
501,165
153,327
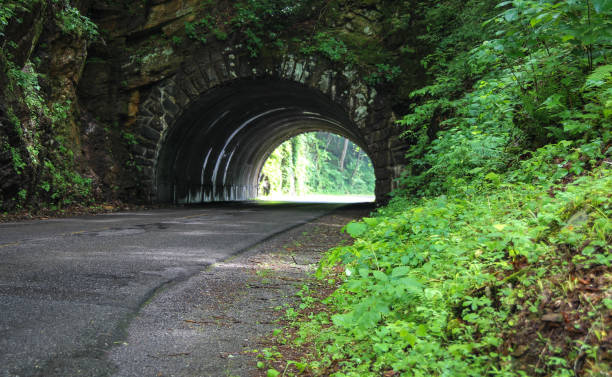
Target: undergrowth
x,y
438,286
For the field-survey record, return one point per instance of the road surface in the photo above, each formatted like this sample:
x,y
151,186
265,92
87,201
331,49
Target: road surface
x,y
69,287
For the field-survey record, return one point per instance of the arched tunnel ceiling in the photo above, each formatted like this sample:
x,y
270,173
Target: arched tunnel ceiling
x,y
216,148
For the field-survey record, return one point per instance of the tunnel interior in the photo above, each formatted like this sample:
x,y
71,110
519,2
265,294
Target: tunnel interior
x,y
215,149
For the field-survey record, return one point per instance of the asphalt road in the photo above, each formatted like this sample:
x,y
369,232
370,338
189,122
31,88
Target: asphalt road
x,y
69,287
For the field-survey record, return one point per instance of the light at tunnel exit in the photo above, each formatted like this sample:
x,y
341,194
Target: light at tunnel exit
x,y
317,167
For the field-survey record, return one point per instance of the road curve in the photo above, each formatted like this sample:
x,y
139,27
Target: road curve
x,y
69,287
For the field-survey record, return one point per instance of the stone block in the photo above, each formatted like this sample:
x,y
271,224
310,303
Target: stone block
x,y
169,107
181,99
198,82
186,85
211,76
143,120
153,106
381,136
167,120
245,69
168,12
382,158
150,133
221,69
148,171
138,150
287,67
325,82
156,124
143,162
190,67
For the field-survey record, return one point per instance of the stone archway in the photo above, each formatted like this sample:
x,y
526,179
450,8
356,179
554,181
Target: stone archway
x,y
205,133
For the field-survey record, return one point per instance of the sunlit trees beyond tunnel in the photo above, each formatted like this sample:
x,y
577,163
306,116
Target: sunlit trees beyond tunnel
x,y
317,163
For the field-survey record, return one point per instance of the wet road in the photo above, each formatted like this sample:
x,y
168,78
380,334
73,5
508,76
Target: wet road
x,y
69,287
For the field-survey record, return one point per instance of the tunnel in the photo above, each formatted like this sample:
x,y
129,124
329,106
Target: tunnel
x,y
215,149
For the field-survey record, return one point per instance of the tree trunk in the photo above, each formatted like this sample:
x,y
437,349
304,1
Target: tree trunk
x,y
343,156
329,139
356,166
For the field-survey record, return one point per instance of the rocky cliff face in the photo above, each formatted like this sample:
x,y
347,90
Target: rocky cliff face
x,y
73,92
42,60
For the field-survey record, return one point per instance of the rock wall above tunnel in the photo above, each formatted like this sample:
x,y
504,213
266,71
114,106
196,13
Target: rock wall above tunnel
x,y
147,85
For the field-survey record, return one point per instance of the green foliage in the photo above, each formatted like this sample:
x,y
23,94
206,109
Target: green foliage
x,y
176,40
356,229
18,163
54,181
28,81
526,87
129,138
73,22
200,30
261,20
328,45
65,186
426,280
310,163
383,73
9,9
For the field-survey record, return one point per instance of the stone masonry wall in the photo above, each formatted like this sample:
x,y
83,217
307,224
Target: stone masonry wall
x,y
141,81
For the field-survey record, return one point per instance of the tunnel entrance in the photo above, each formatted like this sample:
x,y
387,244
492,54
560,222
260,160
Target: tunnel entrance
x,y
217,146
317,167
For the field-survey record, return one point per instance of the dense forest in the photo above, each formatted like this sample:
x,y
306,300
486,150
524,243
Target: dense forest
x,y
317,163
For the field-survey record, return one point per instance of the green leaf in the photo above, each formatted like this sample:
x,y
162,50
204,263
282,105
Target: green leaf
x,y
400,271
411,284
370,221
567,37
410,338
602,6
599,76
343,320
503,4
300,366
272,373
356,229
381,347
379,275
364,272
421,331
511,14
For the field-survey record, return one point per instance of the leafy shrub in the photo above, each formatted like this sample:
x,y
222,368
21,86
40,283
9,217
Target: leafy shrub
x,y
425,291
73,22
